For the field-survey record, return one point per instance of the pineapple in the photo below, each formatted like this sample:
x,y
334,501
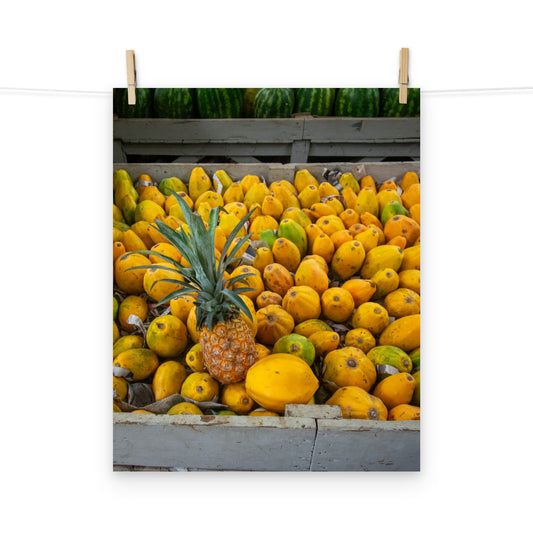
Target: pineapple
x,y
228,345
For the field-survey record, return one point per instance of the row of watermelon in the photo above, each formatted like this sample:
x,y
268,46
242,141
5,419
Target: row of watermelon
x,y
265,103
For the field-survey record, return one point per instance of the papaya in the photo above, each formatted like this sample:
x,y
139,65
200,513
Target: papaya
x,y
234,395
248,182
286,253
294,232
256,194
285,195
341,236
180,307
355,402
273,323
221,181
253,281
411,195
168,379
391,209
167,185
336,204
200,387
330,224
403,333
327,189
386,280
368,182
268,236
295,344
309,196
349,217
185,408
268,298
408,179
263,258
277,279
385,196
415,400
368,238
348,180
404,412
395,389
384,256
233,193
278,379
371,316
148,210
361,290
195,358
141,230
302,303
272,206
296,214
304,178
403,226
132,306
262,223
167,336
199,182
411,258
360,338
349,197
324,342
120,387
311,326
389,360
415,358
324,247
367,202
152,193
312,274
130,281
402,302
127,342
141,362
337,304
346,367
160,280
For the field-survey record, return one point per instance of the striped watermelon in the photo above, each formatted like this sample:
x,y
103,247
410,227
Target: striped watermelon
x,y
248,105
143,107
174,103
318,102
220,103
391,107
274,103
357,103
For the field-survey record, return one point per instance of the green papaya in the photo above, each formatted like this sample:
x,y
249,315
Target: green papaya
x,y
392,209
167,185
389,360
294,232
269,236
298,345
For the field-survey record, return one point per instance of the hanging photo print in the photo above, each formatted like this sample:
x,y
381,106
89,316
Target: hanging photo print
x,y
266,279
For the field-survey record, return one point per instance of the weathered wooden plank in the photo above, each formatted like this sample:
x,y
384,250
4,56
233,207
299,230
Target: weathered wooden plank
x,y
158,171
119,156
380,171
213,442
339,129
362,149
209,149
366,445
300,151
205,130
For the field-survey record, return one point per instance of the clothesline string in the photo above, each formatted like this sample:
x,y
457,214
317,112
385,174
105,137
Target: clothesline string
x,y
422,91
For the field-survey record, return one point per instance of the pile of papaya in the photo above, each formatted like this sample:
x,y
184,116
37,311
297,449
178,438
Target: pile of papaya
x,y
333,291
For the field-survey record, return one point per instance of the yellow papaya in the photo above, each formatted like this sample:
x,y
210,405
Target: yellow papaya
x,y
278,379
384,256
199,182
355,402
348,259
141,362
294,232
403,332
346,367
168,379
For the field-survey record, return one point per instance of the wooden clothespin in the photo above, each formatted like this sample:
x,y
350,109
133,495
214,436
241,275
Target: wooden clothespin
x,y
132,76
404,74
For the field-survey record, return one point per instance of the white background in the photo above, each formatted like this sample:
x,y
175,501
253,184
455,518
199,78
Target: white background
x,y
56,155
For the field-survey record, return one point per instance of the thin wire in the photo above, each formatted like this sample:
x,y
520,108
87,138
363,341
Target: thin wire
x,y
423,91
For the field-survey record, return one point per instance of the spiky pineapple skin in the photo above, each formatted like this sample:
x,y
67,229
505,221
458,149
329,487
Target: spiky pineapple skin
x,y
229,350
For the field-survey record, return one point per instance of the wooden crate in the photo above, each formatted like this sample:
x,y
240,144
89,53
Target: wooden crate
x,y
303,442
308,438
295,140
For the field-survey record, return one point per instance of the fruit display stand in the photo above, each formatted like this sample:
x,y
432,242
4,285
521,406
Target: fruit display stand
x,y
308,437
300,139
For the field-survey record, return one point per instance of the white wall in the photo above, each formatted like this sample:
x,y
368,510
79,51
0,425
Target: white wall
x,y
477,184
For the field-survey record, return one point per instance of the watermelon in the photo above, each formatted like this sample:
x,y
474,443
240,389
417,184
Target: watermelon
x,y
220,103
248,106
143,107
174,103
318,102
274,103
391,107
357,103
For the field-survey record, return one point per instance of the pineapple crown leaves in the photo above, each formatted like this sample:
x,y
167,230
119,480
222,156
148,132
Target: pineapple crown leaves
x,y
216,298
